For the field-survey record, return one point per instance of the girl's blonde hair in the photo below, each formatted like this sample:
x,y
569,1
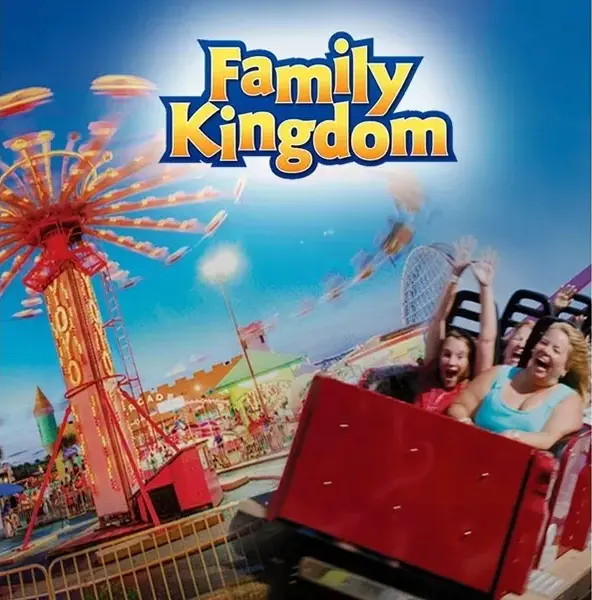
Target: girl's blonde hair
x,y
578,361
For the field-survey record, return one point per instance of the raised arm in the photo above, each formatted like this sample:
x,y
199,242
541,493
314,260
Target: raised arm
x,y
468,401
463,251
567,417
563,298
484,271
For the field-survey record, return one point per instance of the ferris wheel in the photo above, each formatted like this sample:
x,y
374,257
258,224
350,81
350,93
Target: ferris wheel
x,y
426,271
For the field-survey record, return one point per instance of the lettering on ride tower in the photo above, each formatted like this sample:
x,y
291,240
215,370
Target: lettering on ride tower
x,y
68,305
70,355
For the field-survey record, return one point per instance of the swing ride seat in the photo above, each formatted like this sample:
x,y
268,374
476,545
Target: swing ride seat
x,y
378,492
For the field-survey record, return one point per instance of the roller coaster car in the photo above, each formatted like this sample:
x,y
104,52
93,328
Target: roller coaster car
x,y
389,501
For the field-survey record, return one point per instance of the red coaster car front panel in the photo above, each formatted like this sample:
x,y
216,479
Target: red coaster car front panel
x,y
411,486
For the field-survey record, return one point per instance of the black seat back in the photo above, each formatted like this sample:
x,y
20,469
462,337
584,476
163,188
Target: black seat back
x,y
517,310
461,312
461,317
396,381
464,318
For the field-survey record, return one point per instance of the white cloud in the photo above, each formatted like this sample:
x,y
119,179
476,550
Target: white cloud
x,y
177,370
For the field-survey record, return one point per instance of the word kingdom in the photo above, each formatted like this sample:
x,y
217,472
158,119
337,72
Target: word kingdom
x,y
301,113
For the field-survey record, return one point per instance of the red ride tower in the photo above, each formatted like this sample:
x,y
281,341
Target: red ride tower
x,y
55,214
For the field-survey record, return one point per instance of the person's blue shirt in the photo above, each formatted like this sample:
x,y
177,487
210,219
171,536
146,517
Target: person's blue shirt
x,y
495,415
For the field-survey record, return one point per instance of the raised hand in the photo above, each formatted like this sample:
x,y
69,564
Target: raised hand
x,y
564,297
484,267
463,253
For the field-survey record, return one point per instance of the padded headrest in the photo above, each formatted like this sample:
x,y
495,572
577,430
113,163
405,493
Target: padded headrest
x,y
517,309
461,317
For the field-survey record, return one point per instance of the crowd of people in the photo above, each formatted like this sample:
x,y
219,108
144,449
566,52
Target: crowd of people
x,y
63,499
10,516
530,403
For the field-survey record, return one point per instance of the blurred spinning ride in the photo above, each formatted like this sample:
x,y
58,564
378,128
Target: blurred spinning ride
x,y
49,217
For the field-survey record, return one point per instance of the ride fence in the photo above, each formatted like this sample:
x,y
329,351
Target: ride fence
x,y
253,446
60,507
215,555
30,582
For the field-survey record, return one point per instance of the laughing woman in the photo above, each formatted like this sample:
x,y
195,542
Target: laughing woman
x,y
530,405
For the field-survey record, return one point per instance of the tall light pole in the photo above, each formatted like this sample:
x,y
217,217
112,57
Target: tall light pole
x,y
218,269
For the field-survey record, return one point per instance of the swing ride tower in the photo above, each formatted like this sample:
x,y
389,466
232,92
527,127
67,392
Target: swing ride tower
x,y
50,219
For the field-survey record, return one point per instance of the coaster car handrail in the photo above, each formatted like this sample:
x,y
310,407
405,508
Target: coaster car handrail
x,y
573,454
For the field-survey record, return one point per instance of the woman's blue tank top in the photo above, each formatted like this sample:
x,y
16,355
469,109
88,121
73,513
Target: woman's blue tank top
x,y
494,415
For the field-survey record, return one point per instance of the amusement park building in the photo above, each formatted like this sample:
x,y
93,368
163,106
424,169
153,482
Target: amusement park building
x,y
190,389
204,383
274,373
231,380
198,385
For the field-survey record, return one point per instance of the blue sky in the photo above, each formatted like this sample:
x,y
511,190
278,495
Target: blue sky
x,y
514,76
